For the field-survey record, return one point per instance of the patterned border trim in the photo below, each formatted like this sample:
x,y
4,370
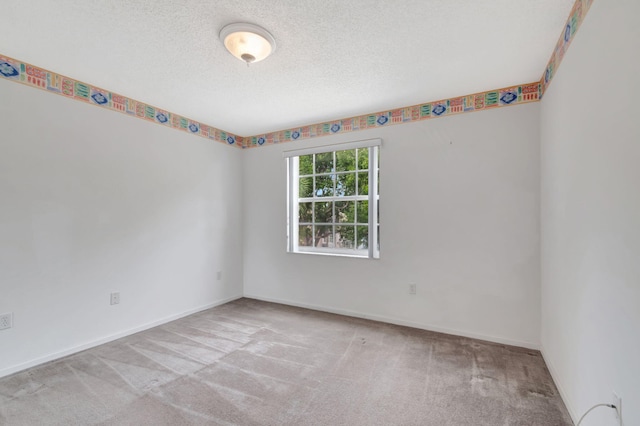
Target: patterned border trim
x,y
576,17
20,72
12,69
508,96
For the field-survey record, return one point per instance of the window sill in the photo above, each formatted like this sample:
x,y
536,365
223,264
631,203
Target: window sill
x,y
317,253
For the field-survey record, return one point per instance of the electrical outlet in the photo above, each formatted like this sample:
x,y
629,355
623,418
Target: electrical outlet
x,y
6,321
412,288
219,275
617,401
115,298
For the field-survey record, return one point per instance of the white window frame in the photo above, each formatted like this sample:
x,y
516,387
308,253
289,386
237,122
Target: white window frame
x,y
292,158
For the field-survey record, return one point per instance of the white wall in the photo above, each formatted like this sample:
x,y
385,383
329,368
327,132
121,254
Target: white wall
x,y
591,216
459,216
91,202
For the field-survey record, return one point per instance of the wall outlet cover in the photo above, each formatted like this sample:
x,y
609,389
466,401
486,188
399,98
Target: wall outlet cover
x,y
617,401
6,321
115,298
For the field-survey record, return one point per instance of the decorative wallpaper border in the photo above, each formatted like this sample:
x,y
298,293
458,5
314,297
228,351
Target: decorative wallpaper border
x,y
14,70
21,72
514,95
576,17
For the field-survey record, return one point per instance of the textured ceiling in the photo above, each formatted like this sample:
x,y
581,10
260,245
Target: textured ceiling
x,y
334,59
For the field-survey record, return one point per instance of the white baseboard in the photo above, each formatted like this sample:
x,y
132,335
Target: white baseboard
x,y
555,377
70,351
396,321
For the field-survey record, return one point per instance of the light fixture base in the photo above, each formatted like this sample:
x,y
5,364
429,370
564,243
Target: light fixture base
x,y
248,42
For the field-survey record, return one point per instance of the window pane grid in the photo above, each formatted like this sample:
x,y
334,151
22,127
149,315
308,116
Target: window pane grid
x,y
334,201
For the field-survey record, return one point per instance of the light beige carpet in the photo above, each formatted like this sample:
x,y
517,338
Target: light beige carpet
x,y
257,363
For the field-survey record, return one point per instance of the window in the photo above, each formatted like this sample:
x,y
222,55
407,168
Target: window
x,y
333,199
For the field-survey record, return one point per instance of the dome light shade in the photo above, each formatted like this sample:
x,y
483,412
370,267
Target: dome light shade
x,y
247,42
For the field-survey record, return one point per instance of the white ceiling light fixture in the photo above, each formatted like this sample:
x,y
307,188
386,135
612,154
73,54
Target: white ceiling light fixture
x,y
247,42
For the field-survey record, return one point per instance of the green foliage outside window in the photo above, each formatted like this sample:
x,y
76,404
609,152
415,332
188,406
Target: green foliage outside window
x,y
334,174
